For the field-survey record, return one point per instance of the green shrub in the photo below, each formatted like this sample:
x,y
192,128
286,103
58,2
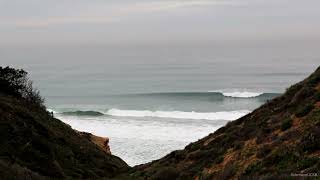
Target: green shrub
x,y
193,146
286,124
238,145
227,173
252,168
206,176
282,159
304,110
311,142
166,173
219,160
263,151
317,96
314,117
308,162
314,80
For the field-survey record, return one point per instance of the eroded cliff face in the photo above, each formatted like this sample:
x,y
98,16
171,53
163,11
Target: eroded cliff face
x,y
278,139
101,142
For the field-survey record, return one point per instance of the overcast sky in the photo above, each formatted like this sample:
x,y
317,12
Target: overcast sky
x,y
116,21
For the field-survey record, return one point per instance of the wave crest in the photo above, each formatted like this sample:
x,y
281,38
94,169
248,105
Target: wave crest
x,y
225,115
83,113
242,94
218,94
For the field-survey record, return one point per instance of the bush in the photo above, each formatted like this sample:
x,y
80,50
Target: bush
x,y
307,162
238,145
317,96
12,81
253,168
304,110
286,124
311,142
283,159
314,80
219,160
227,173
193,146
15,82
263,151
166,173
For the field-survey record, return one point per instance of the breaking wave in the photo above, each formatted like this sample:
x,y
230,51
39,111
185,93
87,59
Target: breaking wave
x,y
83,113
218,94
224,115
243,94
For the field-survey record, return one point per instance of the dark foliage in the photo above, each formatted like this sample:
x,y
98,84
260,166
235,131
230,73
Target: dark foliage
x,y
264,151
286,124
254,167
15,82
304,110
165,174
311,141
36,142
34,145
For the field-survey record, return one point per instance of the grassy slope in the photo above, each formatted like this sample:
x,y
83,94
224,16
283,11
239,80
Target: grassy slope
x,y
33,145
279,138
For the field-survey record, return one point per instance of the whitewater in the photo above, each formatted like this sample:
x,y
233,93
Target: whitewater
x,y
231,115
146,126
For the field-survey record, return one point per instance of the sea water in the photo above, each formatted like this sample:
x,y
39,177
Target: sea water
x,y
153,99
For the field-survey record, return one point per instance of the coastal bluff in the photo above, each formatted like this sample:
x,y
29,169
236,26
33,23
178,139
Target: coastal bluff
x,y
35,145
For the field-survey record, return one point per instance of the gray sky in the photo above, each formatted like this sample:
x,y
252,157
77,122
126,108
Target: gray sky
x,y
114,21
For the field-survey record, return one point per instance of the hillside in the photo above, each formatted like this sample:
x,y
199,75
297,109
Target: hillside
x,y
34,145
279,138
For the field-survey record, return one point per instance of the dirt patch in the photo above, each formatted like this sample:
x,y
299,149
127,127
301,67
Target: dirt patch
x,y
297,122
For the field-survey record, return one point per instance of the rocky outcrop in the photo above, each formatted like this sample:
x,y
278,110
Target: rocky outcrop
x,y
101,142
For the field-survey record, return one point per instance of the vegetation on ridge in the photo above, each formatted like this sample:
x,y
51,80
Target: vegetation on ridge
x,y
34,145
15,82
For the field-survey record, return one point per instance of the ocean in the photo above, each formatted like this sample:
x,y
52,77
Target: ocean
x,y
153,99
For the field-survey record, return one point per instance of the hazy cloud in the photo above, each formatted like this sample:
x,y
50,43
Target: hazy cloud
x,y
112,13
147,20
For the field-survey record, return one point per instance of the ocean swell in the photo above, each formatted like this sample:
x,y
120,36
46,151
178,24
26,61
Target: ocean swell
x,y
83,113
225,115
